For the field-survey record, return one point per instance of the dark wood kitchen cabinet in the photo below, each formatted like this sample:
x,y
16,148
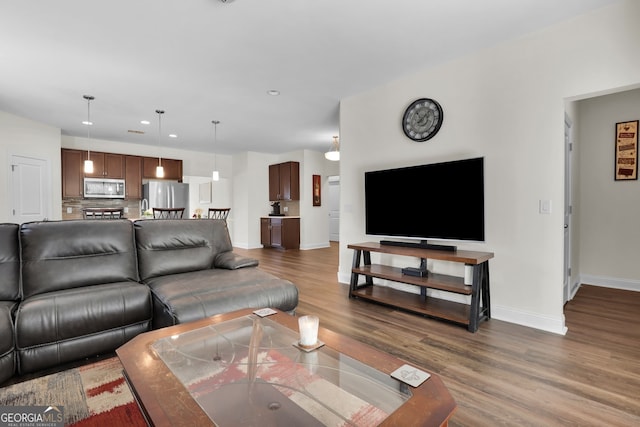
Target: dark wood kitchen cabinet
x,y
72,164
172,168
284,181
114,166
105,165
280,232
133,177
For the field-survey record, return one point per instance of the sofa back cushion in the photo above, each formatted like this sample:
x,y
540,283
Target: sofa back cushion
x,y
9,263
179,245
59,255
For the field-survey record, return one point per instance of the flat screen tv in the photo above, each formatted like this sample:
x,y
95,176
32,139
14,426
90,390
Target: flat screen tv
x,y
438,201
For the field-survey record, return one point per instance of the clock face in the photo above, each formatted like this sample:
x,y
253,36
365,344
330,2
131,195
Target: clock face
x,y
422,119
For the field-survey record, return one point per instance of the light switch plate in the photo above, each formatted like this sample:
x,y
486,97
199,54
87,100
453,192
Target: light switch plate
x,y
69,210
545,206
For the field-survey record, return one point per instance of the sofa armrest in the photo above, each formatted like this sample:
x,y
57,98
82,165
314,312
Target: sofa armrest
x,y
232,261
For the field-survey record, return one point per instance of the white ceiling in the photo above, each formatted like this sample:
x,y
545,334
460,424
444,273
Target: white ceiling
x,y
204,60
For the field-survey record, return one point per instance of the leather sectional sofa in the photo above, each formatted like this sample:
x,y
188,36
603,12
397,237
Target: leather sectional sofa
x,y
74,289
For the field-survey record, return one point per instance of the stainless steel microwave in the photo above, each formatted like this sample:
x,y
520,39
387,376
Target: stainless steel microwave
x,y
103,188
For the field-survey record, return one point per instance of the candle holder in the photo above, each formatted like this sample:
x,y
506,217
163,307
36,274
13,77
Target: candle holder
x,y
308,333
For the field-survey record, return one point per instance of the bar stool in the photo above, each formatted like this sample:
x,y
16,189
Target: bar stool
x,y
168,213
103,213
218,213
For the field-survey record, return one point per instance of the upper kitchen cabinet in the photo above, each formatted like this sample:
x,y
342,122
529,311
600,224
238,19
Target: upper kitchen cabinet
x,y
284,181
72,163
106,165
133,176
172,168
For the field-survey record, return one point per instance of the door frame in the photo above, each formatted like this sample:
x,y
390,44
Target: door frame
x,y
567,293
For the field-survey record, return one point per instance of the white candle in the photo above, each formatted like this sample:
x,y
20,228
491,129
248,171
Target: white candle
x,y
308,330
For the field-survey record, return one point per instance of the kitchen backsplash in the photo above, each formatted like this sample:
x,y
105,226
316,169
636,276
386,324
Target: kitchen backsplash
x,y
76,206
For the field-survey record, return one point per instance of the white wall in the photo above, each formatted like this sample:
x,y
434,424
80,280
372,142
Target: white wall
x,y
609,210
23,137
506,104
314,220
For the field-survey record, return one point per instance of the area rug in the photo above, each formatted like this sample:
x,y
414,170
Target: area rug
x,y
91,395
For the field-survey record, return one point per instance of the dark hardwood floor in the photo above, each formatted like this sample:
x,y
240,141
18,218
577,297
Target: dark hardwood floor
x,y
504,374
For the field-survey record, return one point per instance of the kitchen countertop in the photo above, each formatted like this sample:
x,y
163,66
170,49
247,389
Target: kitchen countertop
x,y
280,216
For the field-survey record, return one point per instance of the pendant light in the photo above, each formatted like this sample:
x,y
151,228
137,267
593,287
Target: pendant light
x,y
159,168
334,153
215,176
88,164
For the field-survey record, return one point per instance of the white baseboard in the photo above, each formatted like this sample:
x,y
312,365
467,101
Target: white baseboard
x,y
532,320
308,246
610,282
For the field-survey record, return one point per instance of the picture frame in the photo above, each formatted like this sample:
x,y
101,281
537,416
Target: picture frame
x,y
205,192
626,151
317,190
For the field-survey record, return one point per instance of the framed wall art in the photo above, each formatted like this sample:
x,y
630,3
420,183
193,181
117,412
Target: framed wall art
x,y
316,190
626,167
205,192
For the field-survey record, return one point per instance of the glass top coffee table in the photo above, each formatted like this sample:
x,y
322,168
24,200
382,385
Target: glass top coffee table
x,y
240,369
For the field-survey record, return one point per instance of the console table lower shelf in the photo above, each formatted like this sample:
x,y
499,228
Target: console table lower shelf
x,y
468,315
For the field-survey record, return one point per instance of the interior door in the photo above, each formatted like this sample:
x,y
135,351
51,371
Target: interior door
x,y
30,189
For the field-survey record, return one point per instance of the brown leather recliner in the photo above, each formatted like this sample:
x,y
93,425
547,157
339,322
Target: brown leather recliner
x,y
81,295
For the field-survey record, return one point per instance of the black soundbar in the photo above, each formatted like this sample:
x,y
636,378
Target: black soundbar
x,y
420,245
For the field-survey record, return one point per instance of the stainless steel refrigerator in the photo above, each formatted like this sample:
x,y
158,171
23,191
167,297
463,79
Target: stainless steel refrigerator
x,y
167,194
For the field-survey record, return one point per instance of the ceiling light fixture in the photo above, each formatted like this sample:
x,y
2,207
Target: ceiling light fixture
x,y
273,92
334,153
88,164
159,168
215,176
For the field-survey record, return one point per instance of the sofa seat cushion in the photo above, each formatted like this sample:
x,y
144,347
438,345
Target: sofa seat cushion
x,y
7,341
66,325
185,297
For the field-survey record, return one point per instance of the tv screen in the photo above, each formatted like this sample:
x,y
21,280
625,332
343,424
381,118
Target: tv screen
x,y
442,201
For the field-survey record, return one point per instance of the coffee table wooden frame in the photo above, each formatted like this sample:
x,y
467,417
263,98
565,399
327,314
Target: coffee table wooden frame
x,y
166,402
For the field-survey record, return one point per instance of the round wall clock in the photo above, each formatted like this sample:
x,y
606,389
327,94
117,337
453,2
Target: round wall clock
x,y
422,119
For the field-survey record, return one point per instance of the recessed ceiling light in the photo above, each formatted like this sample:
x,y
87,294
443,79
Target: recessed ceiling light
x,y
84,122
173,135
145,122
273,92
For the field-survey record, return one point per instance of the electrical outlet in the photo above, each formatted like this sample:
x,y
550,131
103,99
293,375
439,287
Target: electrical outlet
x,y
286,209
69,210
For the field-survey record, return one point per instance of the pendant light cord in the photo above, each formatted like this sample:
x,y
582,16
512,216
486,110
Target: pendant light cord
x,y
160,113
215,143
89,98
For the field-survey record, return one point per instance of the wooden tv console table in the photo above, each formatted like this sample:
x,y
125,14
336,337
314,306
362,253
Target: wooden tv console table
x,y
465,314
